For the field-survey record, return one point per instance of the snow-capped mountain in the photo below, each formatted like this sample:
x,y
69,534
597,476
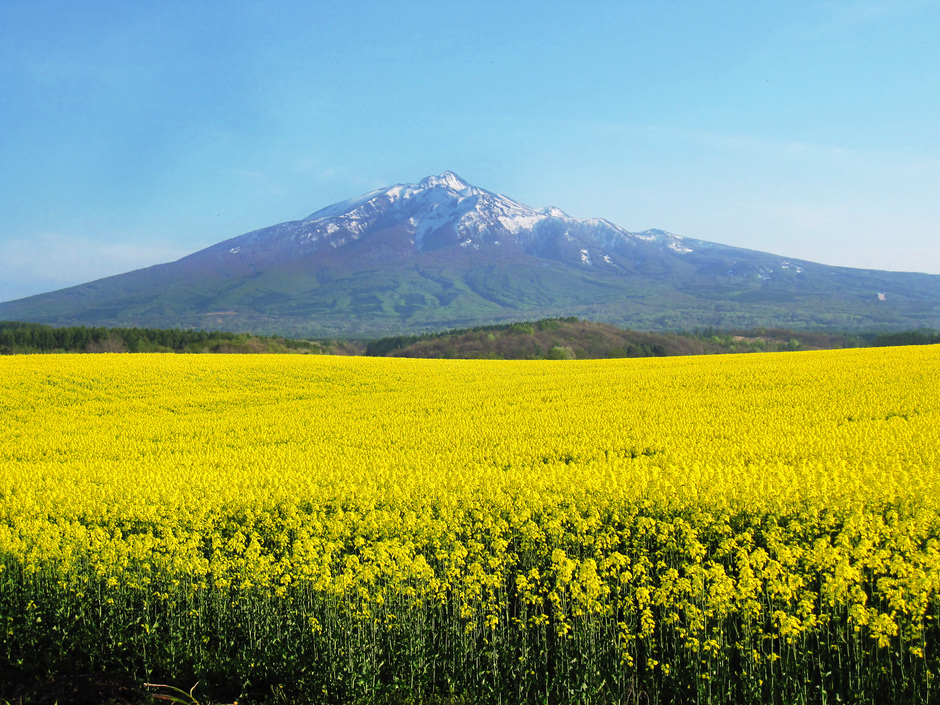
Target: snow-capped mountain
x,y
445,211
442,253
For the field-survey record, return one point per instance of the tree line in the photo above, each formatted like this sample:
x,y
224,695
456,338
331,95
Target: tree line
x,y
558,338
17,337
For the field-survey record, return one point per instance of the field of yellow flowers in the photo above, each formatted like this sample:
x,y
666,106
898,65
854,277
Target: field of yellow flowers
x,y
748,529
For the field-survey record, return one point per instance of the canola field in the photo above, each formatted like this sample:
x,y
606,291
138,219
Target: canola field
x,y
747,529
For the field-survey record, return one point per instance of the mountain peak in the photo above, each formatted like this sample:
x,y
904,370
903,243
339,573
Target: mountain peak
x,y
448,179
400,192
445,211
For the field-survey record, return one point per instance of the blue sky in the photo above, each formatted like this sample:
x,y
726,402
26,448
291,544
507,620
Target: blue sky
x,y
133,133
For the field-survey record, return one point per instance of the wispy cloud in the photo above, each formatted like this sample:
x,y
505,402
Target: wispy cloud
x,y
51,261
850,13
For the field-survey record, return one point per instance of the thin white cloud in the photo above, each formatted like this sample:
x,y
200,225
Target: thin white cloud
x,y
849,13
51,261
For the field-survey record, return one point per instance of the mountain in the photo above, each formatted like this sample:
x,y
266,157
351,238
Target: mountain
x,y
442,253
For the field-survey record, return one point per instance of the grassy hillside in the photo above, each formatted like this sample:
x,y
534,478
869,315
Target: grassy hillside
x,y
360,294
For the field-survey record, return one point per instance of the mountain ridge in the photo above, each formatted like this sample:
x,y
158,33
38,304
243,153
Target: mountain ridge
x,y
442,253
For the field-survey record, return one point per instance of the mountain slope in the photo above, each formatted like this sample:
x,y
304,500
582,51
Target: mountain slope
x,y
442,253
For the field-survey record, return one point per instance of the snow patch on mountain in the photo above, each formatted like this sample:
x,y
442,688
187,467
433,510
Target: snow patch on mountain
x,y
447,211
448,179
670,241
